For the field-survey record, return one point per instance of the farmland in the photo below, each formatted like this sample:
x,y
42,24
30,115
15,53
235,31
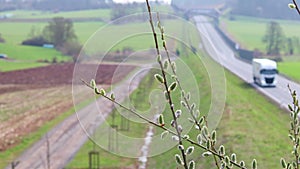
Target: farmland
x,y
45,86
45,96
27,56
250,127
97,32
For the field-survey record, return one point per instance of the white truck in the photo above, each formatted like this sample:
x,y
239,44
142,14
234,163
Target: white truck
x,y
264,72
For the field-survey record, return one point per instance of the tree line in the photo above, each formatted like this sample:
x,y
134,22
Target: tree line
x,y
58,5
266,9
257,8
277,43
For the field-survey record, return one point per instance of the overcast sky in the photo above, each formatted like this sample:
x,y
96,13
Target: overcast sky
x,y
125,1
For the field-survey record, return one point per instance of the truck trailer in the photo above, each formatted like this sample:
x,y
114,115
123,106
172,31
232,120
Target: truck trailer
x,y
264,72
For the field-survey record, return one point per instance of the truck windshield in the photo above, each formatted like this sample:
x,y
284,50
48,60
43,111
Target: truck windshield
x,y
268,71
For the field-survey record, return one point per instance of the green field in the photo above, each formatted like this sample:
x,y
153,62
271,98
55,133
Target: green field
x,y
14,35
290,69
16,32
22,57
250,31
9,66
30,53
103,36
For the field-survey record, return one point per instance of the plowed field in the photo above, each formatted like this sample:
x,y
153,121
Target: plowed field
x,y
31,97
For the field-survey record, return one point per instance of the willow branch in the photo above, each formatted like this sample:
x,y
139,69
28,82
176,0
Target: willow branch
x,y
297,7
171,105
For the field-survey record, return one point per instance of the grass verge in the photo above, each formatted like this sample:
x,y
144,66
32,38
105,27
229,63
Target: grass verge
x,y
251,128
290,69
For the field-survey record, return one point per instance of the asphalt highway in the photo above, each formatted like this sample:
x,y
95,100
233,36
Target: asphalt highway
x,y
223,54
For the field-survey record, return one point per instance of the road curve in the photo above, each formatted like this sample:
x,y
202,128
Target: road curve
x,y
223,54
63,141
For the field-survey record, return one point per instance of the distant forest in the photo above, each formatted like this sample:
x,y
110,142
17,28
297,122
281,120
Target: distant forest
x,y
54,5
277,9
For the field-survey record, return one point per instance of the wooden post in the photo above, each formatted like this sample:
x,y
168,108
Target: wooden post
x,y
113,138
124,124
94,160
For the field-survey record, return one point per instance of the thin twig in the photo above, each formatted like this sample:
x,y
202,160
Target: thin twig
x,y
185,97
297,7
294,109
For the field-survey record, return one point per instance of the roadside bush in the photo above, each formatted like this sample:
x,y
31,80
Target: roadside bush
x,y
35,41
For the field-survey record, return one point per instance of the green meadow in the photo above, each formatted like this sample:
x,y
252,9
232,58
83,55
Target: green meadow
x,y
10,66
31,54
290,69
16,32
102,35
248,128
250,31
28,56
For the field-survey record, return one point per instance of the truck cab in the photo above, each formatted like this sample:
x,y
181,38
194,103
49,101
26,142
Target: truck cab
x,y
265,72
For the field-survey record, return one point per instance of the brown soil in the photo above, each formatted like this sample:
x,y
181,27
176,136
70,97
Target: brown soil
x,y
60,74
31,97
